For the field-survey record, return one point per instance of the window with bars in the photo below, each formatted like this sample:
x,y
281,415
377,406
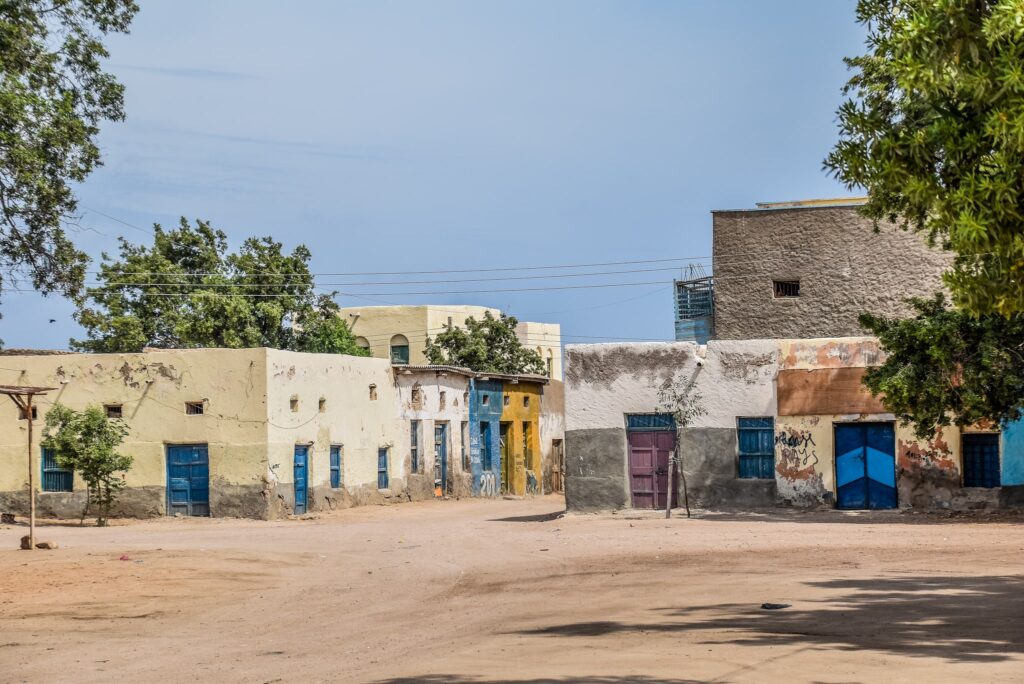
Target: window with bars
x,y
335,466
650,421
756,437
194,408
785,289
981,460
114,410
55,478
414,444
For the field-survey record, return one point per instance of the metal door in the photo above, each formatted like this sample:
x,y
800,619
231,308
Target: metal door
x,y
865,465
440,459
301,478
649,456
981,460
188,479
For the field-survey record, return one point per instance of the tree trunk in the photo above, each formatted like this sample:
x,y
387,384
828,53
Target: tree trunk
x,y
682,476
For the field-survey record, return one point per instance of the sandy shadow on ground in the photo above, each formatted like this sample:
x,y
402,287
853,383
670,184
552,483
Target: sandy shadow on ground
x,y
887,517
957,619
461,679
541,517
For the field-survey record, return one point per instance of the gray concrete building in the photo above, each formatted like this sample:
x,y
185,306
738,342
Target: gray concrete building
x,y
809,269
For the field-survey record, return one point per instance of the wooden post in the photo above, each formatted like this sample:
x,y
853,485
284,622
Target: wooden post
x,y
682,474
31,478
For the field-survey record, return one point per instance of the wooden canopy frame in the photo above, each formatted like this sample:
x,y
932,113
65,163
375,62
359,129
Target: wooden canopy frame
x,y
22,398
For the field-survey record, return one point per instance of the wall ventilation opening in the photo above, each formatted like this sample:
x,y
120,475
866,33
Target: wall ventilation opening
x,y
373,393
194,408
113,410
322,405
293,404
786,289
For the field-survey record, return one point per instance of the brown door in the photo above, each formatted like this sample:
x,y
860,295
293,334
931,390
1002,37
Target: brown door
x,y
649,456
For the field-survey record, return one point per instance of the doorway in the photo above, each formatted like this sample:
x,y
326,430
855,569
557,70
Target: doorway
x,y
865,465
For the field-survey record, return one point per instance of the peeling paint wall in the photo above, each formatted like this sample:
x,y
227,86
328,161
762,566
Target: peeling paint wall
x,y
606,382
152,389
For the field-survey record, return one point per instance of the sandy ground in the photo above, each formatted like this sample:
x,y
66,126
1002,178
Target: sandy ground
x,y
509,591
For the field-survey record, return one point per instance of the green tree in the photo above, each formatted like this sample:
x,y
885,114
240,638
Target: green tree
x,y
933,128
187,290
86,441
53,97
945,366
489,345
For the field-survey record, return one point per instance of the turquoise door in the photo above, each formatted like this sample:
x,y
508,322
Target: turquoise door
x,y
440,459
865,465
301,478
188,479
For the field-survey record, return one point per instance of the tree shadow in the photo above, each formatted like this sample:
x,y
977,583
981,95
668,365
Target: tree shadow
x,y
957,619
464,679
541,517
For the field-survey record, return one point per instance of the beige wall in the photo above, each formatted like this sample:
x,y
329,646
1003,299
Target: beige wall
x,y
152,389
350,419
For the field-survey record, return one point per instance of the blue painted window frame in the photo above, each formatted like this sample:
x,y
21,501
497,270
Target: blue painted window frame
x,y
55,478
981,459
335,466
646,422
755,437
414,444
400,354
382,468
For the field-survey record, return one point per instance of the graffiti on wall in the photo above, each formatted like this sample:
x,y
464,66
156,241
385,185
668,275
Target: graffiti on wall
x,y
488,484
798,479
801,443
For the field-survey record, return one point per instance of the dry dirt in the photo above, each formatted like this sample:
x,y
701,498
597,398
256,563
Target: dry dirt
x,y
508,591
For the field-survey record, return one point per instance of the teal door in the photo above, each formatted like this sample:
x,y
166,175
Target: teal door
x,y
301,478
188,479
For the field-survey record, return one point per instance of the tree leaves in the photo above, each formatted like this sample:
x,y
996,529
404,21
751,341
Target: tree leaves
x,y
53,97
188,291
934,130
945,366
489,345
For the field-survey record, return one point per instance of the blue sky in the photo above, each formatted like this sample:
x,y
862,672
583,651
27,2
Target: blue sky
x,y
423,136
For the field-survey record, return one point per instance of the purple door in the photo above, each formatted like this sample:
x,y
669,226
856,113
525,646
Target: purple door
x,y
649,456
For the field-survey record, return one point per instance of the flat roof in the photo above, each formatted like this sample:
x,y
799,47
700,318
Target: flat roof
x,y
823,203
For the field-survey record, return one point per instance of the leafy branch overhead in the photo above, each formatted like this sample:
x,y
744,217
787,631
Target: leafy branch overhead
x,y
934,130
488,345
53,97
945,366
187,290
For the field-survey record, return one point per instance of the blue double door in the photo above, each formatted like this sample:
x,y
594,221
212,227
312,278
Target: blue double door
x,y
865,465
188,479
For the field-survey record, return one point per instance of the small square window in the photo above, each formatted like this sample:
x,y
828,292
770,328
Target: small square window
x,y
506,400
526,402
373,393
113,410
785,289
194,408
417,395
323,405
293,404
35,413
443,400
486,401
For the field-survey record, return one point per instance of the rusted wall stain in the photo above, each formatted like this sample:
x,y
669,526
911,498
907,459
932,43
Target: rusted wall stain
x,y
603,367
826,391
927,473
745,367
832,354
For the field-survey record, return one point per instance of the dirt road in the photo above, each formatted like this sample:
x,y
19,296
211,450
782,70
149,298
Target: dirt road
x,y
508,591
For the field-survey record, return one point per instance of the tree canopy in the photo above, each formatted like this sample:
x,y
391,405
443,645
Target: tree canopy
x,y
933,129
53,97
945,366
187,290
488,345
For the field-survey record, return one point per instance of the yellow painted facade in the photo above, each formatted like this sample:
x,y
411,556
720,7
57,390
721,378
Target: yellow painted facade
x,y
522,457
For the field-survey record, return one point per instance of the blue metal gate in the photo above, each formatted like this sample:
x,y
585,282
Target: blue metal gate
x,y
188,479
301,478
865,465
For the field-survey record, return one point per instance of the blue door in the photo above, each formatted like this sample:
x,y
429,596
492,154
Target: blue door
x,y
188,479
301,478
865,465
382,469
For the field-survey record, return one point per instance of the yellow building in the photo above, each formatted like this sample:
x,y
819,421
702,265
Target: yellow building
x,y
520,437
399,333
